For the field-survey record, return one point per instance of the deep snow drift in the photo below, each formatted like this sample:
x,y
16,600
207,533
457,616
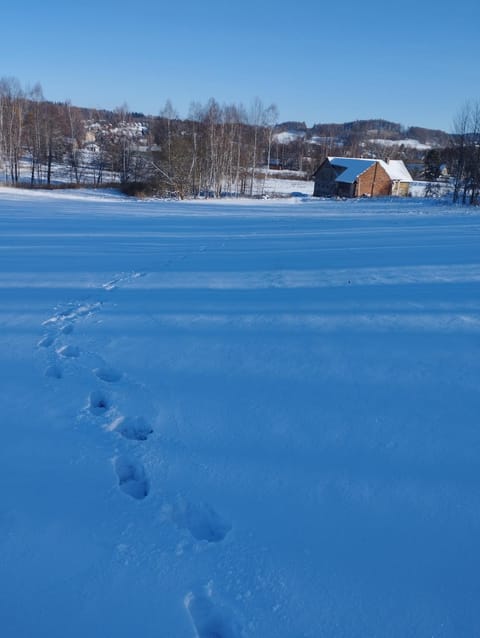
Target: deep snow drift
x,y
238,420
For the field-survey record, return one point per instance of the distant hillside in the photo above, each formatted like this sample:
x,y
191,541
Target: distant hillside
x,y
364,131
297,146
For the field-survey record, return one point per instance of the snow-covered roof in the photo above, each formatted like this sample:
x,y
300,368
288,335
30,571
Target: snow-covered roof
x,y
355,166
396,170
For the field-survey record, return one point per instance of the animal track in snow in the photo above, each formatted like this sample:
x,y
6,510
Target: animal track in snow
x,y
83,310
131,427
131,477
112,284
69,351
108,374
54,372
202,521
98,403
67,329
209,620
71,314
45,341
52,320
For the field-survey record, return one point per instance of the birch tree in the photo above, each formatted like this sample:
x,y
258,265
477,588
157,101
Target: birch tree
x,y
12,106
466,153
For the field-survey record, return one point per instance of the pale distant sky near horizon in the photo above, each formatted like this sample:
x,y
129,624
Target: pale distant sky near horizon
x,y
412,62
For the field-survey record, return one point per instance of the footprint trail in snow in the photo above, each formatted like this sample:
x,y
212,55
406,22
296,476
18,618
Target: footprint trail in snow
x,y
131,477
200,520
210,620
130,472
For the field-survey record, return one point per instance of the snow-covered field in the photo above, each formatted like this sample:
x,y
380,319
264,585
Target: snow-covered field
x,y
226,420
268,183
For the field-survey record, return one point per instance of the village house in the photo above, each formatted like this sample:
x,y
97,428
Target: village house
x,y
358,177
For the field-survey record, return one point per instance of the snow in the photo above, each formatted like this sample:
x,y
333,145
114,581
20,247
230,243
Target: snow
x,y
396,170
238,419
287,137
407,143
420,188
279,186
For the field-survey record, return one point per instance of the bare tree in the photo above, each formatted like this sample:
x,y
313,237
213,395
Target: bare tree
x,y
271,119
55,139
75,135
12,106
35,131
466,153
257,121
169,115
460,142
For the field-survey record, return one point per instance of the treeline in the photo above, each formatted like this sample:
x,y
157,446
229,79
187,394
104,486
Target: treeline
x,y
36,135
215,151
459,160
218,149
466,154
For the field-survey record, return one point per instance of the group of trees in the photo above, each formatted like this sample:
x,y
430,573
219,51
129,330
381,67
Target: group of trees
x,y
34,129
216,150
458,162
464,155
42,140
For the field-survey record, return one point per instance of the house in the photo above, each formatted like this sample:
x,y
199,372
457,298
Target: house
x,y
359,177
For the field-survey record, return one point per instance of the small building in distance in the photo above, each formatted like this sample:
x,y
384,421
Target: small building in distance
x,y
359,177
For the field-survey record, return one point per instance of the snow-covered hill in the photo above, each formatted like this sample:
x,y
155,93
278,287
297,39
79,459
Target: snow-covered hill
x,y
238,419
406,143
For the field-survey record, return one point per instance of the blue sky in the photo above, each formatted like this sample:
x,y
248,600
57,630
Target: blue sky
x,y
317,61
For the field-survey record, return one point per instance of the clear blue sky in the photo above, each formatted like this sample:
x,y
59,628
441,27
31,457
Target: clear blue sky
x,y
317,61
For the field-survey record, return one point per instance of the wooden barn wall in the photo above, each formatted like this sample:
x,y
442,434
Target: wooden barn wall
x,y
325,185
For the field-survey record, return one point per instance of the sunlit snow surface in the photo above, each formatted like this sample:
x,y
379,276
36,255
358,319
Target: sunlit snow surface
x,y
232,420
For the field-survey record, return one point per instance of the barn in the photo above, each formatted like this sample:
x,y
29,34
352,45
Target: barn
x,y
359,177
